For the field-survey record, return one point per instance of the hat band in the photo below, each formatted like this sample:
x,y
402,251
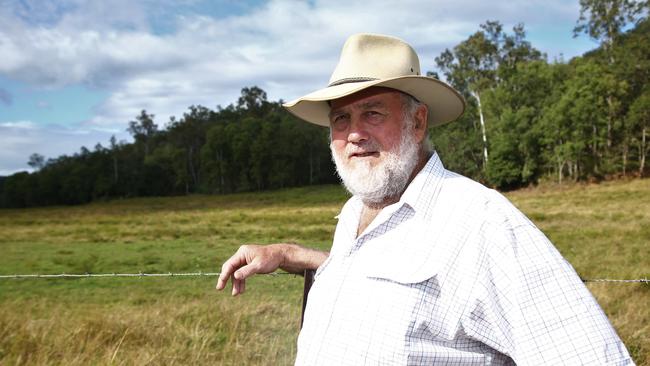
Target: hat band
x,y
351,80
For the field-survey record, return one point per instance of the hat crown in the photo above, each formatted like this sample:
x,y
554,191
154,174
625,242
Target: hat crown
x,y
371,57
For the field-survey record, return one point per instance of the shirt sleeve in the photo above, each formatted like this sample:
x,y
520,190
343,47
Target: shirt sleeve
x,y
531,305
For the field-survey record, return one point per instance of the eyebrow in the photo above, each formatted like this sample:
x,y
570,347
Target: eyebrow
x,y
363,106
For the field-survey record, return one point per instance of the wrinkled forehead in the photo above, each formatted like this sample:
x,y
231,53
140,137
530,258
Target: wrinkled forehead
x,y
369,96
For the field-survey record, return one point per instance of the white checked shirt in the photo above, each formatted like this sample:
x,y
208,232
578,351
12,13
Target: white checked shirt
x,y
452,274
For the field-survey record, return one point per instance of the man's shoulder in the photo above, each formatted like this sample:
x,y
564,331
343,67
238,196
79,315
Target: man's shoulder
x,y
461,182
464,189
470,195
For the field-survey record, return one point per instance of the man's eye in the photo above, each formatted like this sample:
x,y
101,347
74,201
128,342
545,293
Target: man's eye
x,y
373,115
339,122
339,118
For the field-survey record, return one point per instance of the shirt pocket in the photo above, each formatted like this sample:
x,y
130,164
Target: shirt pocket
x,y
401,262
412,278
405,276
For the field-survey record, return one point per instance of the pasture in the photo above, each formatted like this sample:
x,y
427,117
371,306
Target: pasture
x,y
603,230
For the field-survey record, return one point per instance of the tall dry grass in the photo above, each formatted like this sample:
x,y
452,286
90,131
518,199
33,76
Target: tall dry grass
x,y
203,331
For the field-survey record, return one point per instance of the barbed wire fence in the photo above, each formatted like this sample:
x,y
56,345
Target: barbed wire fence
x,y
140,274
216,274
308,279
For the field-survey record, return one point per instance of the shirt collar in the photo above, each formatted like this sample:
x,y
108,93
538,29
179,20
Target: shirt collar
x,y
418,195
425,186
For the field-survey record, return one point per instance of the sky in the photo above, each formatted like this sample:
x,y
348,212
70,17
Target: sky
x,y
75,72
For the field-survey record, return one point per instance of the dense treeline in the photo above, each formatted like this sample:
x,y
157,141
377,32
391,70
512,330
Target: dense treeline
x,y
253,145
527,119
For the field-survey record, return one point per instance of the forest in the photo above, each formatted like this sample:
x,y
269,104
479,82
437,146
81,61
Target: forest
x,y
528,120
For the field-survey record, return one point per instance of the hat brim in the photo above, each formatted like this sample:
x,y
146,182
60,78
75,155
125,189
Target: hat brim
x,y
445,104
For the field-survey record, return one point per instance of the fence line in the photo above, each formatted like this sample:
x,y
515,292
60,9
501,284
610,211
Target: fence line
x,y
84,275
640,280
214,274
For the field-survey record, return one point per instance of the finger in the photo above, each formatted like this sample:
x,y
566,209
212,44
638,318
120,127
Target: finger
x,y
228,268
222,280
226,271
236,287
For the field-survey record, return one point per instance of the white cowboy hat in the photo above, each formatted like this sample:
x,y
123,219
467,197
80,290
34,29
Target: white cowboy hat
x,y
376,60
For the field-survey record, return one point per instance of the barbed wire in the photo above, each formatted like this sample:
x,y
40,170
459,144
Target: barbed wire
x,y
640,280
141,274
214,274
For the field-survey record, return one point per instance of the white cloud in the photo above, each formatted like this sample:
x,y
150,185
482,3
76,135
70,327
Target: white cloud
x,y
86,45
25,125
41,104
19,139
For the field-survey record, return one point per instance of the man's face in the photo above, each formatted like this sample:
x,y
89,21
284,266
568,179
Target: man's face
x,y
374,146
370,120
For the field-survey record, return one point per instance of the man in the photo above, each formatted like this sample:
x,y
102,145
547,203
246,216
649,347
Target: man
x,y
426,267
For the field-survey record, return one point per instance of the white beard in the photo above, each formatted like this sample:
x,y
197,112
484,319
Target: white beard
x,y
388,179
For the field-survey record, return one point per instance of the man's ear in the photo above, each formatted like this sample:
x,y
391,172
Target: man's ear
x,y
421,121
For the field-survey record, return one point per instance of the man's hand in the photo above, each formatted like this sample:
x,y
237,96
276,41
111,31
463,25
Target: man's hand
x,y
254,259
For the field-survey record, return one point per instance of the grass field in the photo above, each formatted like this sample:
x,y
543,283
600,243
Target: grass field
x,y
603,230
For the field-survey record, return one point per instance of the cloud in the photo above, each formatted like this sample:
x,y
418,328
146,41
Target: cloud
x,y
41,104
283,45
79,14
19,139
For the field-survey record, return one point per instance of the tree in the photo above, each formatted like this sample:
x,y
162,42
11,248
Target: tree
x,y
472,66
253,100
143,129
516,107
639,118
632,55
479,64
188,135
36,161
460,146
114,147
577,123
215,160
514,50
603,21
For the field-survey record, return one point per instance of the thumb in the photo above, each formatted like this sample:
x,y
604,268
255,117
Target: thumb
x,y
246,271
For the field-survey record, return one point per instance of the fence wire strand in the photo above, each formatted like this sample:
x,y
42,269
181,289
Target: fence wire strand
x,y
141,274
215,274
640,280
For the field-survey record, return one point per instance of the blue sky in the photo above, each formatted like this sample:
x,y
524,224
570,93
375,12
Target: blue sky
x,y
75,72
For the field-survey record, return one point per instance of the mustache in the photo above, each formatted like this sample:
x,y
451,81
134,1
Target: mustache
x,y
362,147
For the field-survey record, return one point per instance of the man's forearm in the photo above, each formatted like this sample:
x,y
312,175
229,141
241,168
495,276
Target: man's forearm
x,y
297,259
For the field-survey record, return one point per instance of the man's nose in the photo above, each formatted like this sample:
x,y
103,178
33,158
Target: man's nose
x,y
357,132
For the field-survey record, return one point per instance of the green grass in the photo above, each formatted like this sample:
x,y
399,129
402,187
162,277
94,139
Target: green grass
x,y
601,229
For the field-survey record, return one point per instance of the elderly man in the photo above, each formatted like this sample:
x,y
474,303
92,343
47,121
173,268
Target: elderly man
x,y
427,266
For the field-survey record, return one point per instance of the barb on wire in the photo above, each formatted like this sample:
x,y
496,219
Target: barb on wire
x,y
640,280
84,275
